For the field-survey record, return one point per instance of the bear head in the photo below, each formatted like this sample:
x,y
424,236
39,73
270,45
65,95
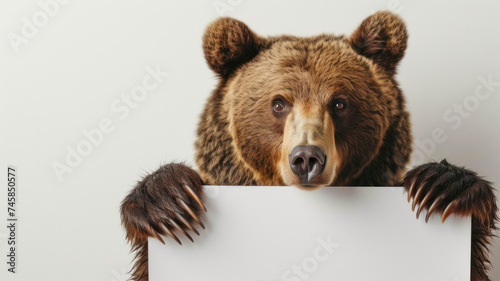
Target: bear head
x,y
305,111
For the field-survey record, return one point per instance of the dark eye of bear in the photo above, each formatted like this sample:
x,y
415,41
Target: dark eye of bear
x,y
278,106
339,106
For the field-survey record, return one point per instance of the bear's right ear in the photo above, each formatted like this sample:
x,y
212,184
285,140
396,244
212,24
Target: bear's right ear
x,y
229,43
382,38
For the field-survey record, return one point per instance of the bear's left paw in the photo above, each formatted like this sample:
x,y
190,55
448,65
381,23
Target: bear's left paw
x,y
446,189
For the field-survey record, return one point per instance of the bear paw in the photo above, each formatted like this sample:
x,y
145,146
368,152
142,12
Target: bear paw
x,y
164,202
446,189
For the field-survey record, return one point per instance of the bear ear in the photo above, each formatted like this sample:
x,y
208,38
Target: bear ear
x,y
229,43
382,38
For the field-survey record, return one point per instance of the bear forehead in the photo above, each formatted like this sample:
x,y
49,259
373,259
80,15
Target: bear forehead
x,y
319,56
297,66
315,54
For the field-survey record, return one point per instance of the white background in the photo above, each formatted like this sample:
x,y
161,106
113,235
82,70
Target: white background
x,y
67,76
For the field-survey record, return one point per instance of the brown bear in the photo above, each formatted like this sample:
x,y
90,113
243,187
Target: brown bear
x,y
309,112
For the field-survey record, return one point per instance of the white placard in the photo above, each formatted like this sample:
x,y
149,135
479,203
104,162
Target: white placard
x,y
334,233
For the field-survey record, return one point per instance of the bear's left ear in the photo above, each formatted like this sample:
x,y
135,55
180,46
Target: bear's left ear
x,y
382,38
229,43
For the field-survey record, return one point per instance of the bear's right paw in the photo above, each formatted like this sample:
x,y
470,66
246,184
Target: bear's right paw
x,y
164,202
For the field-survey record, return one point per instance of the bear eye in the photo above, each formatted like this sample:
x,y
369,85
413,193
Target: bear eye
x,y
278,106
339,106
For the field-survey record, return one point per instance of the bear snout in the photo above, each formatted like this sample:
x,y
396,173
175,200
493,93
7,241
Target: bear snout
x,y
307,161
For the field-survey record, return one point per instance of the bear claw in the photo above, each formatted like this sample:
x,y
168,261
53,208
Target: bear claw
x,y
450,209
180,229
186,223
159,238
194,196
433,207
417,197
171,234
424,203
186,208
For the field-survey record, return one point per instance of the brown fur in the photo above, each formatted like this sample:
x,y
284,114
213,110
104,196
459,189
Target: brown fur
x,y
242,141
444,184
149,206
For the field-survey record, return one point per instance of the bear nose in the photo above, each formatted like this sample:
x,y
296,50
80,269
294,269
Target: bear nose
x,y
307,160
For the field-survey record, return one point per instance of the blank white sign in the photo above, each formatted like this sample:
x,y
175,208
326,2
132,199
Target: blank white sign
x,y
334,233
